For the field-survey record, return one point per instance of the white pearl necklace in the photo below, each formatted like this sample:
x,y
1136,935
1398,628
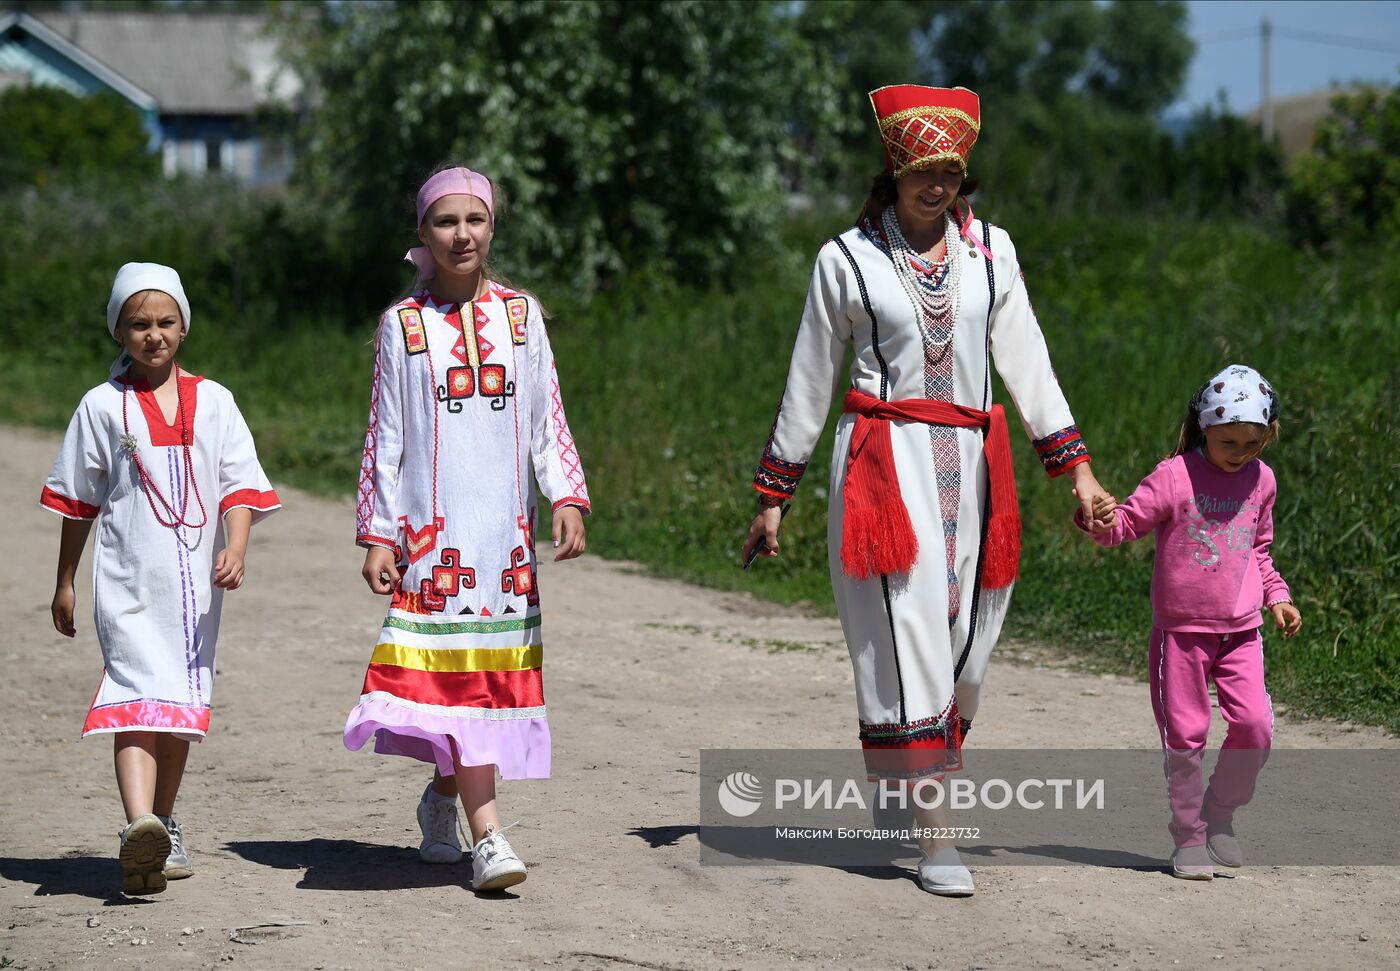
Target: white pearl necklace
x,y
935,308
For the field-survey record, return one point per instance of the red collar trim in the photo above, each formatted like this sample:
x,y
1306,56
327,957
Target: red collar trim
x,y
161,431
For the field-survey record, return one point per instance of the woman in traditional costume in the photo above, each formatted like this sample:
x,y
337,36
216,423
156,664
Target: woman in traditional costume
x,y
465,418
163,462
923,529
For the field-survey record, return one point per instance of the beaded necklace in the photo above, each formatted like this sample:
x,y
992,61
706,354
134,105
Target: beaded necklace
x,y
934,291
148,485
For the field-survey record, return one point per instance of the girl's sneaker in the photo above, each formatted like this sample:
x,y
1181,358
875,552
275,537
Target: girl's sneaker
x,y
145,845
1192,863
943,874
177,864
438,821
494,864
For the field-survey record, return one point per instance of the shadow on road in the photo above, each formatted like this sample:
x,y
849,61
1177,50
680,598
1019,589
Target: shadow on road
x,y
351,865
95,877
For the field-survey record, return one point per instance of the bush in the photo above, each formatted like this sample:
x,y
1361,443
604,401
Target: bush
x,y
1350,182
47,134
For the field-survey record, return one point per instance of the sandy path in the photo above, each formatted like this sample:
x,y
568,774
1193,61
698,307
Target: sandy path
x,y
288,827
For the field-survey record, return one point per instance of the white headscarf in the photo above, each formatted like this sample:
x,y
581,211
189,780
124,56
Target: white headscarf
x,y
1238,393
131,279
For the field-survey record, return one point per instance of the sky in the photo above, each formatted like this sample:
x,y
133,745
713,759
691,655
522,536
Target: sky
x,y
1298,66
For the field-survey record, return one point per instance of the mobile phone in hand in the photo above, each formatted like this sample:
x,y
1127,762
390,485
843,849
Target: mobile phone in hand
x,y
763,544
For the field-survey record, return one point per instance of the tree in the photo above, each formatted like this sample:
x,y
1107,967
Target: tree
x,y
1350,181
624,134
47,133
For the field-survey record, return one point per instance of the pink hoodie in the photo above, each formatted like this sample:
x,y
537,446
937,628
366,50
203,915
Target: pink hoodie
x,y
1212,570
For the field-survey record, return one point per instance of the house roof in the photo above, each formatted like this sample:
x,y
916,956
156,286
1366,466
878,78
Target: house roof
x,y
14,61
190,63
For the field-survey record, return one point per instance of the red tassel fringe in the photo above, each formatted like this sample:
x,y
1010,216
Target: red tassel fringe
x,y
878,539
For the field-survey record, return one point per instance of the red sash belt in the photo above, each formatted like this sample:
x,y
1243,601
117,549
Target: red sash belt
x,y
877,536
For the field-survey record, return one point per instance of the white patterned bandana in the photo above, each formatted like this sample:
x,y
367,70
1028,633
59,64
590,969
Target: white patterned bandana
x,y
1238,393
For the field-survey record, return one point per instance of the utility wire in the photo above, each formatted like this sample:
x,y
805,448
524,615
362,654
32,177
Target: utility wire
x,y
1353,42
1314,37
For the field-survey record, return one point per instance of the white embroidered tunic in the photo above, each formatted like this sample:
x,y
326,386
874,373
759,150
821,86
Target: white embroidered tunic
x,y
466,416
920,642
154,604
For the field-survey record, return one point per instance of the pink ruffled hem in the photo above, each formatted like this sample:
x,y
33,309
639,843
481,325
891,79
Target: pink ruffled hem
x,y
518,747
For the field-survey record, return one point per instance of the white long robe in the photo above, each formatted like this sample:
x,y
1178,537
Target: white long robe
x,y
466,416
920,642
154,604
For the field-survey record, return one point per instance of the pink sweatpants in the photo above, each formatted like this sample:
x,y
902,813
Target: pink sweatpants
x,y
1179,664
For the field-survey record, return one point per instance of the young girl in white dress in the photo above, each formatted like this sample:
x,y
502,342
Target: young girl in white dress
x,y
164,463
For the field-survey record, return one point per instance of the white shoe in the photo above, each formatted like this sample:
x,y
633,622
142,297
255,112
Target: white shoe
x,y
494,864
438,822
145,845
177,864
943,874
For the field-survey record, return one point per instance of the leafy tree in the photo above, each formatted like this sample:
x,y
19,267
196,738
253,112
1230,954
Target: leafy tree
x,y
46,133
1350,181
1224,159
623,134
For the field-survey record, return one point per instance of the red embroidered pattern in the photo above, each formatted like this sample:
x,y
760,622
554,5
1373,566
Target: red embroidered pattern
x,y
364,508
568,454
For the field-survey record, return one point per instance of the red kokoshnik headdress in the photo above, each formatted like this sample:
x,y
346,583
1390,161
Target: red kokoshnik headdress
x,y
923,126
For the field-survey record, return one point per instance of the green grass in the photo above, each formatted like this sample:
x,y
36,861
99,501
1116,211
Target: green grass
x,y
671,390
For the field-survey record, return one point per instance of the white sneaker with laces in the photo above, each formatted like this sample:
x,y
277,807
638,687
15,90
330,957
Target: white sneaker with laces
x,y
438,821
145,845
494,864
177,864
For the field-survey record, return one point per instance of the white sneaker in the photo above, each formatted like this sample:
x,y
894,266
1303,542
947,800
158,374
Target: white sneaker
x,y
145,845
177,864
438,822
494,864
943,874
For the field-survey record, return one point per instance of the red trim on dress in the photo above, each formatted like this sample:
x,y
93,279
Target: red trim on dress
x,y
458,689
388,544
250,499
136,715
582,504
64,506
166,433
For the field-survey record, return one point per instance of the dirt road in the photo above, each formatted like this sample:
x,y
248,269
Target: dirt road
x,y
288,828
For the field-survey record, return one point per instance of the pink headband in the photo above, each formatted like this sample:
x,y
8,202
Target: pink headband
x,y
455,182
449,182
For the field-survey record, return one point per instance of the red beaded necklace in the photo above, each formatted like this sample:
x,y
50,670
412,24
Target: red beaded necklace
x,y
148,485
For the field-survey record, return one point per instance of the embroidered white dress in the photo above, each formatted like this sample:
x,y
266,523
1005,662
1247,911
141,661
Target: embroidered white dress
x,y
154,604
465,417
920,642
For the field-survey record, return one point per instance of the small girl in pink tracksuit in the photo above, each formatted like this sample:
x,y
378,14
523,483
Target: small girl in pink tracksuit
x,y
1210,506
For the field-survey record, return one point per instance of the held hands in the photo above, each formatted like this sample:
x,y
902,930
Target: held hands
x,y
1289,620
1104,514
763,529
62,609
1098,507
228,569
568,533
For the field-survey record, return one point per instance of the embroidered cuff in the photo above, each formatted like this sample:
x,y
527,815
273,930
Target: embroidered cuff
x,y
1061,451
583,505
777,478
